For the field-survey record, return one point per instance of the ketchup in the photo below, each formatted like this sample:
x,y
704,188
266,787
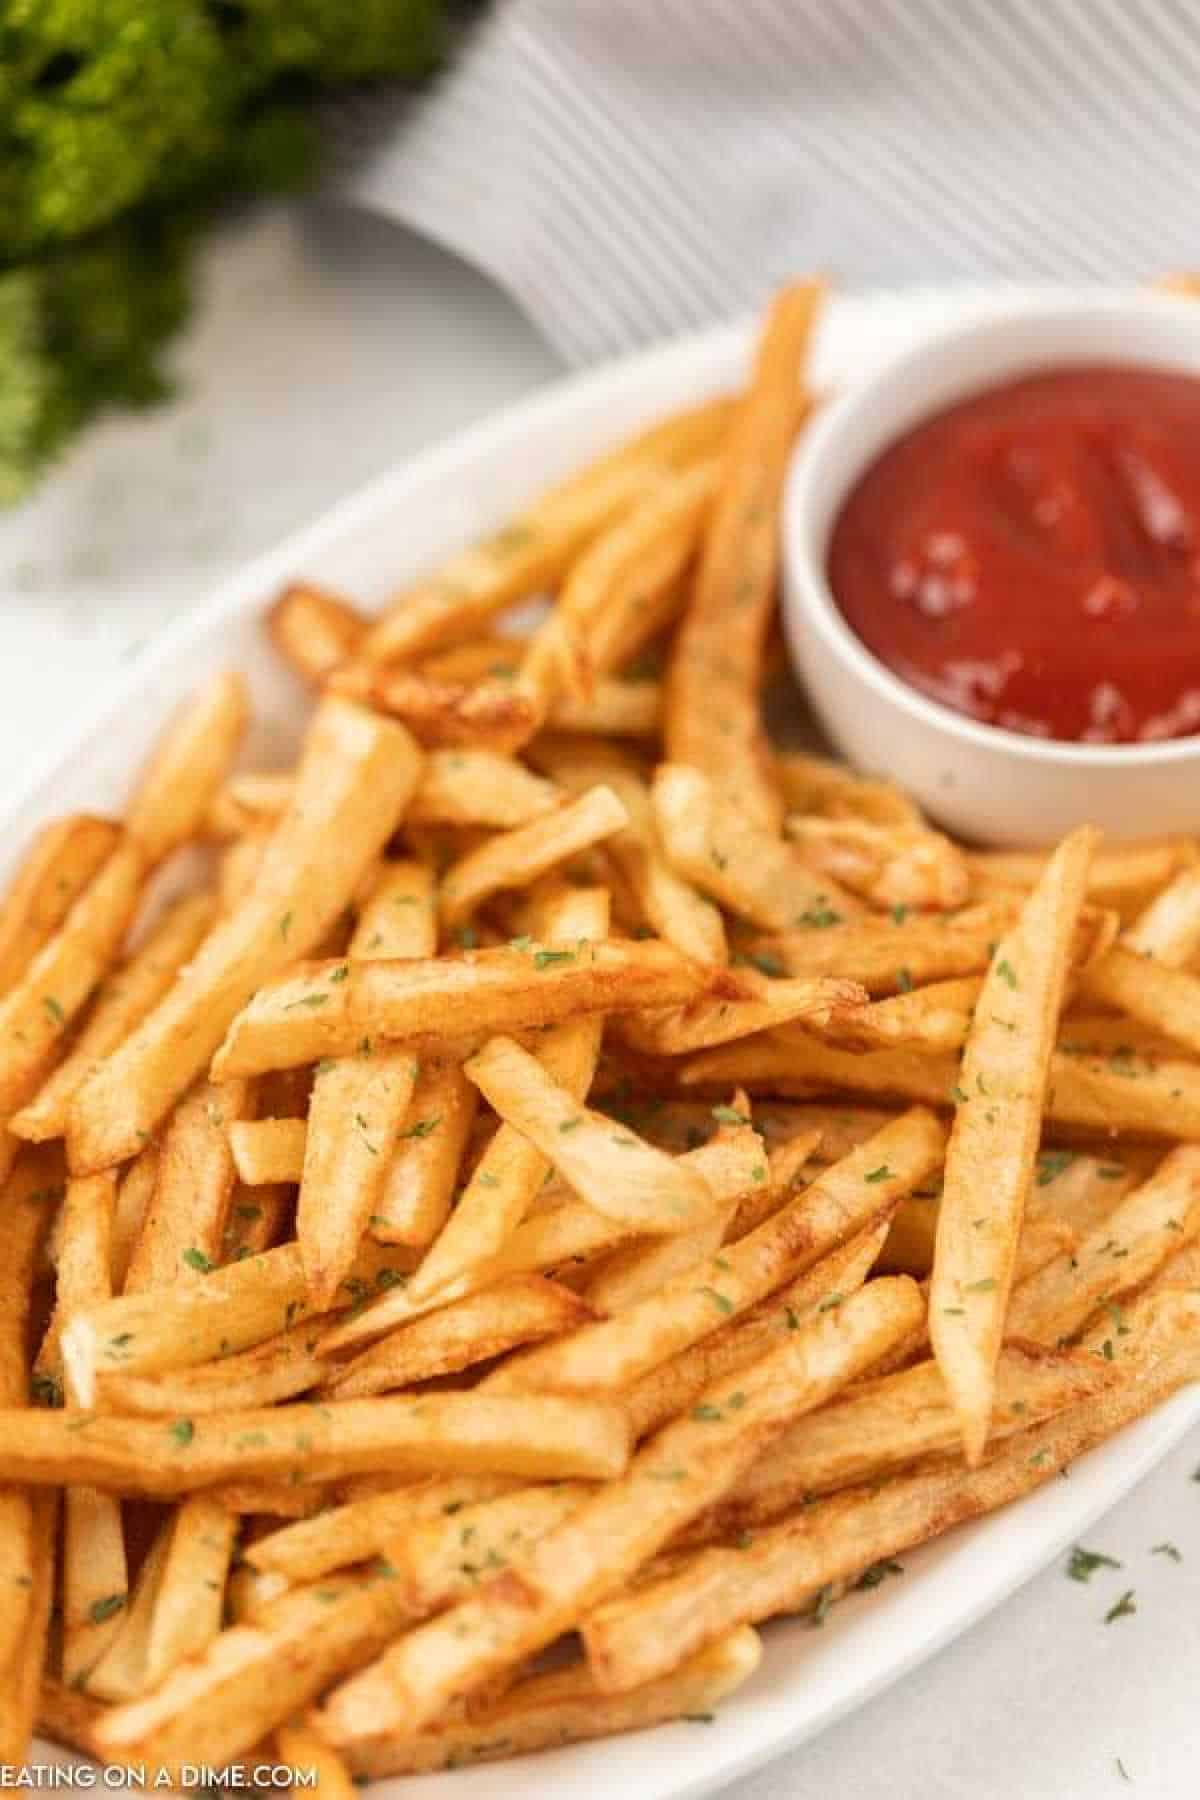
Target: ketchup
x,y
1031,556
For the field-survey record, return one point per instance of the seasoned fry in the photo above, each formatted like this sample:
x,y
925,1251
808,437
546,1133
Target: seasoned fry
x,y
889,865
521,856
936,1017
1125,877
20,1680
267,1150
279,1369
314,630
670,1480
191,1588
1166,999
83,1272
993,1142
713,718
713,839
60,863
841,1202
355,1119
399,918
631,709
121,1004
302,1748
192,759
1120,1253
815,784
418,1187
742,1002
478,787
615,1171
887,955
183,1229
471,1330
362,1528
322,1012
355,779
533,551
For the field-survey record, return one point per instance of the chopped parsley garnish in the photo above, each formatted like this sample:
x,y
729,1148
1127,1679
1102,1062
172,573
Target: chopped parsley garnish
x,y
1051,1164
423,1128
183,1431
882,1173
107,1608
544,959
729,1115
1082,1564
1122,1608
196,1259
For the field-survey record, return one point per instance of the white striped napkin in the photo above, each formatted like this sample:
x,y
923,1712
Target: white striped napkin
x,y
630,168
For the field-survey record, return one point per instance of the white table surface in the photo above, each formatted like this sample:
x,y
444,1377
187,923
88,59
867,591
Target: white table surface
x,y
327,347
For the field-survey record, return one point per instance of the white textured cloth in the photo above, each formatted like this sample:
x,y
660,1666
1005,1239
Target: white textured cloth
x,y
632,168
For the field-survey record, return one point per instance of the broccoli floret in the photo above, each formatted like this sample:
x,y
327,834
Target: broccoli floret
x,y
123,123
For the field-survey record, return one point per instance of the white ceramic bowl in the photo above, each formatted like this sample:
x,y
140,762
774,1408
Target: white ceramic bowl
x,y
985,783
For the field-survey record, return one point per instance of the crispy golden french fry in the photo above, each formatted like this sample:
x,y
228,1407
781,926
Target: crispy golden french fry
x,y
20,1681
1080,1190
95,1579
519,857
67,1717
815,784
191,760
55,985
518,1311
452,1432
83,1273
890,865
355,779
442,715
322,1012
713,839
248,803
121,1003
641,1268
1119,1254
937,1017
615,1171
59,865
233,1309
258,1220
865,1435
1166,999
279,1369
634,1638
534,550
16,1569
355,1120
993,1142
1169,928
314,630
1125,877
888,956
480,787
419,1183
716,671
622,709
564,1706
737,1004
730,1166
189,1603
241,867
268,1150
300,1747
183,1230
121,1671
666,1390
599,1546
27,1201
840,1203
399,918
360,1529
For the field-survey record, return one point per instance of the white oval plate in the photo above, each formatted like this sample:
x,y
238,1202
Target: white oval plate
x,y
369,545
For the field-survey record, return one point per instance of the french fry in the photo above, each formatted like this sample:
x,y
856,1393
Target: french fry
x,y
519,857
83,1273
302,1748
20,1680
355,1120
399,919
362,1528
936,1017
121,1671
67,1717
713,839
465,1433
38,1008
563,1706
471,1330
1080,1190
993,1142
533,551
730,1166
314,630
887,955
1125,877
616,1172
1166,999
840,1203
268,1150
122,1002
633,1639
278,1369
232,1309
816,784
418,1187
190,762
61,862
599,1546
1120,1253
355,779
191,1588
183,1230
320,1012
442,715
888,865
479,787
740,1003
631,709
713,718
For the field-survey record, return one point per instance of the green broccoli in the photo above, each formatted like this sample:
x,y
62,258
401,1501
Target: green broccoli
x,y
124,124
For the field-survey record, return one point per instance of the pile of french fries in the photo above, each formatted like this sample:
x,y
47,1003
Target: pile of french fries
x,y
569,1180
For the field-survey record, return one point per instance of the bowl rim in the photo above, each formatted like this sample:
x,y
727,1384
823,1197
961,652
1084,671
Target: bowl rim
x,y
807,596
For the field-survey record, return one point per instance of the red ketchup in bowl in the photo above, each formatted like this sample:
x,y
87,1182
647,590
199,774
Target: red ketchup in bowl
x,y
1031,556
